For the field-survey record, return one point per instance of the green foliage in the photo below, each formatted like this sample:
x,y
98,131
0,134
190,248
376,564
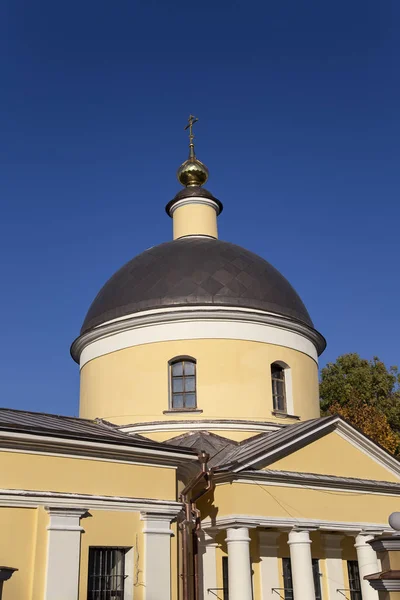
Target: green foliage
x,y
353,383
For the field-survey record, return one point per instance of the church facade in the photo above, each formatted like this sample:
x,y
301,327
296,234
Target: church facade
x,y
199,467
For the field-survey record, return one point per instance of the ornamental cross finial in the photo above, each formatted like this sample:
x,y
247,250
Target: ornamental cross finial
x,y
191,121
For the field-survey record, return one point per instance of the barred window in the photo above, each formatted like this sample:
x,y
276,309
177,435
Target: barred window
x,y
183,384
106,576
354,579
288,579
278,387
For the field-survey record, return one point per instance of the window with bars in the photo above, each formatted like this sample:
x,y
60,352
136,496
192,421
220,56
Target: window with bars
x,y
106,576
278,387
183,384
354,580
288,580
225,577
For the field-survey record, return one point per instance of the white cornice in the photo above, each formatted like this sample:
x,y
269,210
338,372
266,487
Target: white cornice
x,y
290,522
209,425
194,200
11,441
310,481
70,502
202,322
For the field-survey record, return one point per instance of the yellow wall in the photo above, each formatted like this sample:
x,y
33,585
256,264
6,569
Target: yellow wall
x,y
276,501
84,476
233,379
118,529
18,549
333,455
195,219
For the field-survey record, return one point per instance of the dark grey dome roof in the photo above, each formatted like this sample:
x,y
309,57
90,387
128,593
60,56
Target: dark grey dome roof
x,y
195,271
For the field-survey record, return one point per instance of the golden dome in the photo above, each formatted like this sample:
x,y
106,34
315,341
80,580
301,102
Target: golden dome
x,y
192,172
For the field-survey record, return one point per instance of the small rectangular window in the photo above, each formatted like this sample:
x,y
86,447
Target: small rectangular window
x,y
106,574
287,579
278,387
183,384
354,580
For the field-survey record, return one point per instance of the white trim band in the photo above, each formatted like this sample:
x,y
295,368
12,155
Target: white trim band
x,y
194,200
189,328
289,522
209,425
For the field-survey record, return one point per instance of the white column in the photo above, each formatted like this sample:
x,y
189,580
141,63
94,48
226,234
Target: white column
x,y
157,556
269,568
208,565
239,568
367,564
300,558
63,553
334,565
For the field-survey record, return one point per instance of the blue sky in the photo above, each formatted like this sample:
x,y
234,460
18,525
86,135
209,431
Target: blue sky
x,y
298,104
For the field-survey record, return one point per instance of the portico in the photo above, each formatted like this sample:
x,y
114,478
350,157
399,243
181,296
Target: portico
x,y
306,561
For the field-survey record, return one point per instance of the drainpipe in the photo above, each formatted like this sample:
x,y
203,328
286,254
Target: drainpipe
x,y
191,526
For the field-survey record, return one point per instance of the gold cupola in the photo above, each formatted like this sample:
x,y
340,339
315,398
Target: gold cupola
x,y
194,210
192,173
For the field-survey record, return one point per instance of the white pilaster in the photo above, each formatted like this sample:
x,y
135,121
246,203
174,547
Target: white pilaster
x,y
208,565
300,558
367,564
239,568
269,568
334,565
157,555
63,553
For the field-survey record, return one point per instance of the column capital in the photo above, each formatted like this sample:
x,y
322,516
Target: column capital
x,y
207,537
299,536
65,519
362,538
237,534
157,523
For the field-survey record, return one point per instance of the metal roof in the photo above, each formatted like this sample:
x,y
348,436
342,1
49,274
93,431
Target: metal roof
x,y
218,447
263,443
196,271
37,423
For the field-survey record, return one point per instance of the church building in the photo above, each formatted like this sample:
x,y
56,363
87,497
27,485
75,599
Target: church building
x,y
162,489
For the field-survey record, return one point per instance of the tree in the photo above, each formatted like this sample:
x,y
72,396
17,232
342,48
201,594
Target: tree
x,y
370,420
366,393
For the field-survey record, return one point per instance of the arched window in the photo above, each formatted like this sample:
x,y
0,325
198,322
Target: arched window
x,y
182,383
278,387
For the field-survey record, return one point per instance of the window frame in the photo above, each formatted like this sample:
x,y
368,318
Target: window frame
x,y
353,574
112,592
171,363
282,369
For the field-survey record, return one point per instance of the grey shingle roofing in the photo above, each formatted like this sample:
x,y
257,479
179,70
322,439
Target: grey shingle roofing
x,y
195,271
73,428
216,446
226,453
